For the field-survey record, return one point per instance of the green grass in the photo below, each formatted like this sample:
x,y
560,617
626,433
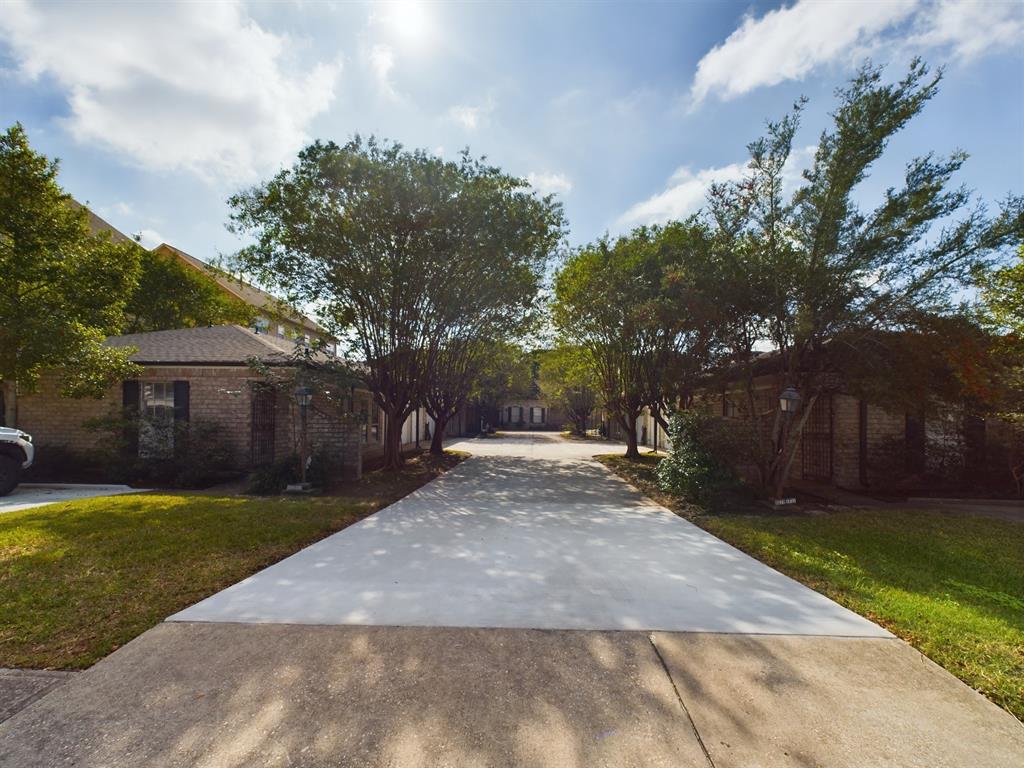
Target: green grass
x,y
80,579
950,584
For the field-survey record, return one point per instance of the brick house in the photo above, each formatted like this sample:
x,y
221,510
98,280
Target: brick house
x,y
202,375
851,443
530,413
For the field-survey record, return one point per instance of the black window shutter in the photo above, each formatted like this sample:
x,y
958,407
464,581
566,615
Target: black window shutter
x,y
130,403
181,400
130,395
542,416
916,443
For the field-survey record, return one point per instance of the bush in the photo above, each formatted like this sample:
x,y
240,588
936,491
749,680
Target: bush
x,y
200,455
271,479
698,467
324,467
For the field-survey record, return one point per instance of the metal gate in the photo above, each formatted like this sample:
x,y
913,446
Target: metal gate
x,y
264,413
816,441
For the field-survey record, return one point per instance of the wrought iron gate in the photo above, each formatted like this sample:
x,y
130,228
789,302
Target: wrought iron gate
x,y
816,441
264,412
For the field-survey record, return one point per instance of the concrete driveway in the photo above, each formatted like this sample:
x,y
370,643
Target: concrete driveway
x,y
527,610
530,533
29,495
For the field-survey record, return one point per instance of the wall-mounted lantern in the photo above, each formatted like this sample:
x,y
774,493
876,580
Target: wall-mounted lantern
x,y
789,400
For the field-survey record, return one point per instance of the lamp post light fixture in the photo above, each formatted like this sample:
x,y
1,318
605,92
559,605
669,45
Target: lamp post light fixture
x,y
789,400
303,398
789,403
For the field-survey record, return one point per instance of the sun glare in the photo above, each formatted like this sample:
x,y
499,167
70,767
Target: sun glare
x,y
408,19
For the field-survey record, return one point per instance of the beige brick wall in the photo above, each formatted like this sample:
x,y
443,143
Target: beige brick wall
x,y
55,420
846,441
218,395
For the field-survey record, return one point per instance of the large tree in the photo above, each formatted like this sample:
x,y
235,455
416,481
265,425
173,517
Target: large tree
x,y
815,270
404,254
632,305
62,288
171,294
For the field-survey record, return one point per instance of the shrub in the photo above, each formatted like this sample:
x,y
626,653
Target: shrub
x,y
324,467
271,479
200,455
698,468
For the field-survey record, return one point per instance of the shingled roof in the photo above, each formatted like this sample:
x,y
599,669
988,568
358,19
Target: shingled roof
x,y
214,345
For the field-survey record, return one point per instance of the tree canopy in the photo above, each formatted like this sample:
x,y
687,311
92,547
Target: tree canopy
x,y
62,288
409,258
631,307
822,271
170,295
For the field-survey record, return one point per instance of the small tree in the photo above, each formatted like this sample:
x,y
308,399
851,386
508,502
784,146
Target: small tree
x,y
1002,313
506,373
62,289
567,382
453,369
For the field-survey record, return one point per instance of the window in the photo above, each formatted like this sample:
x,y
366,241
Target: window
x,y
374,422
261,325
156,432
536,415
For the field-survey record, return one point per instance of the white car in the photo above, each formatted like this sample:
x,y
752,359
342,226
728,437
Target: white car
x,y
16,454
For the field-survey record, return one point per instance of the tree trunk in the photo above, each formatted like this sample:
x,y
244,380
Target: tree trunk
x,y
437,436
9,415
632,444
393,440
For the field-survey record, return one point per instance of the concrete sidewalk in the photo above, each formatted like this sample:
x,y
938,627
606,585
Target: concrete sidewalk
x,y
31,495
227,695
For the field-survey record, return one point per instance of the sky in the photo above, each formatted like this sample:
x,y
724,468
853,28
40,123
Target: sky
x,y
627,112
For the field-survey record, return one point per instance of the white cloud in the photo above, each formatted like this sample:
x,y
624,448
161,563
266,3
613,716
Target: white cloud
x,y
382,61
199,87
471,117
970,29
790,43
550,183
117,209
685,193
151,238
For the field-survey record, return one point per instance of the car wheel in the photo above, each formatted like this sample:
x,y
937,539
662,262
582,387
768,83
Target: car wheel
x,y
9,472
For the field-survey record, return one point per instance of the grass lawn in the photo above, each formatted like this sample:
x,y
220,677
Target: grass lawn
x,y
80,579
951,585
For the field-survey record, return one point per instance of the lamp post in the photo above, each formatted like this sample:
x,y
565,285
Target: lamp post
x,y
789,403
303,396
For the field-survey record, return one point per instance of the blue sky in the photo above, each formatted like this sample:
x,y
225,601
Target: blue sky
x,y
626,111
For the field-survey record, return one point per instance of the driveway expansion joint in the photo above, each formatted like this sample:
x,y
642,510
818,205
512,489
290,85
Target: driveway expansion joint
x,y
679,698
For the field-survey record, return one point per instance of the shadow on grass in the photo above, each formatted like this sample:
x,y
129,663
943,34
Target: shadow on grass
x,y
79,579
